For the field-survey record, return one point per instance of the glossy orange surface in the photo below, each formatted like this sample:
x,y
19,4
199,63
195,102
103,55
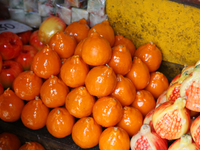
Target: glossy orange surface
x,y
60,122
53,92
74,71
34,114
101,81
124,91
139,74
114,138
131,121
96,50
10,106
144,102
78,29
46,63
107,111
86,132
27,85
79,102
121,60
63,43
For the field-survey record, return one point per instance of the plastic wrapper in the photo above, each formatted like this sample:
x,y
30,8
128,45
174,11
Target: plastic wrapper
x,y
17,15
95,19
46,8
78,14
63,12
30,5
96,7
16,4
33,19
75,3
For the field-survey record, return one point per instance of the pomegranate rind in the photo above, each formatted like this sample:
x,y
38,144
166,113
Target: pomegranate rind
x,y
171,119
147,139
162,98
190,88
195,131
185,142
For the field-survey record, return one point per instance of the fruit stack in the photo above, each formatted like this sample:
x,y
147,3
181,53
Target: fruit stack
x,y
93,84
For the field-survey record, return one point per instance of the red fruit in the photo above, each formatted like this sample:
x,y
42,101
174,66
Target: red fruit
x,y
10,106
146,139
10,45
148,119
9,141
173,91
162,98
9,72
190,89
49,27
1,62
25,36
35,42
184,143
195,131
1,89
171,119
25,56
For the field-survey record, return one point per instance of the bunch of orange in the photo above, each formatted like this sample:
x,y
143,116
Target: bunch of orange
x,y
95,77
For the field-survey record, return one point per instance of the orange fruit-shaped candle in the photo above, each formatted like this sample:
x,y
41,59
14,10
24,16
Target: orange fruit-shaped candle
x,y
144,102
63,43
79,102
101,81
79,47
9,141
158,84
114,138
46,63
79,29
31,146
105,30
53,92
96,50
60,122
34,114
107,111
27,85
86,132
10,106
131,121
124,91
151,55
74,71
121,60
139,74
121,40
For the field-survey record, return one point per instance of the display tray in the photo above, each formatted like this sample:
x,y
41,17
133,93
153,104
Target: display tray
x,y
42,136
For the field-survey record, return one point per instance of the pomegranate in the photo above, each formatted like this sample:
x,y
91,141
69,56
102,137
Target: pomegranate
x,y
171,119
190,88
148,119
173,91
162,98
195,131
146,139
184,143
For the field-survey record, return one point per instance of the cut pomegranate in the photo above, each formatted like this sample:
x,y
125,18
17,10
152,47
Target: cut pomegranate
x,y
190,88
183,143
173,91
195,131
146,139
171,119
